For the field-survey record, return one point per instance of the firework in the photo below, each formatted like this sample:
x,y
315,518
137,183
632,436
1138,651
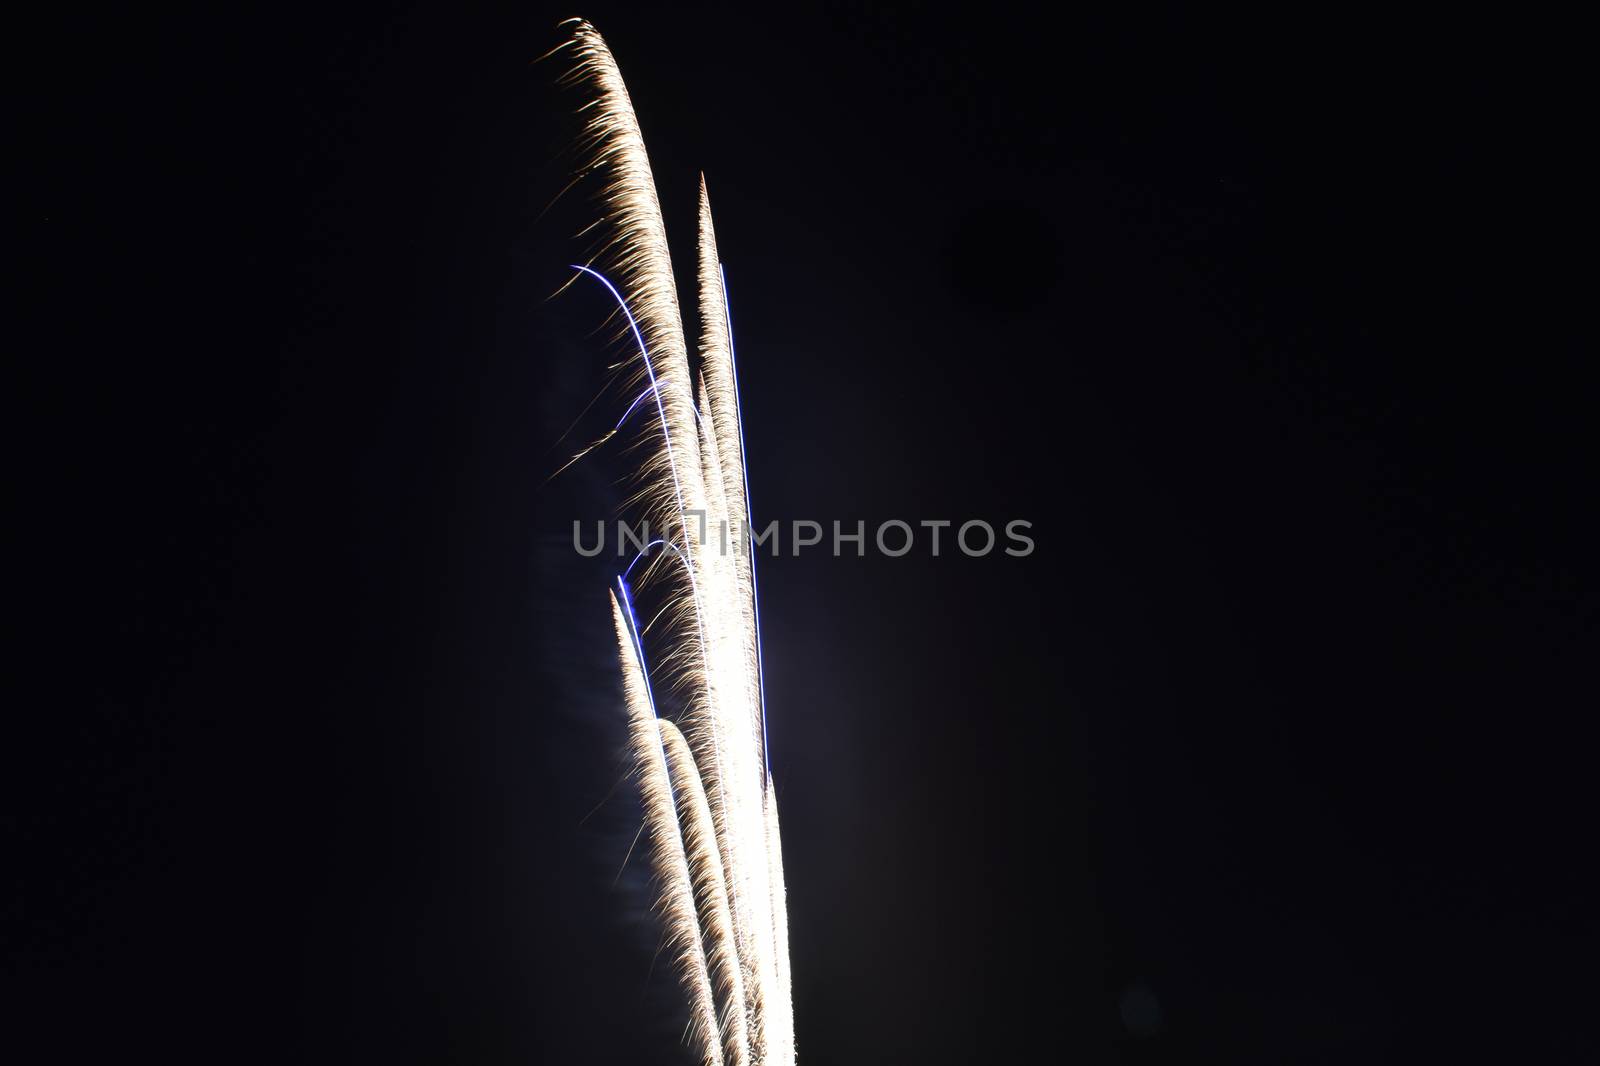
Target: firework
x,y
710,807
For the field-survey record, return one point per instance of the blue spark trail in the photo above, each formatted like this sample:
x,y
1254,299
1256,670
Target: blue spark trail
x,y
658,541
749,523
637,400
638,645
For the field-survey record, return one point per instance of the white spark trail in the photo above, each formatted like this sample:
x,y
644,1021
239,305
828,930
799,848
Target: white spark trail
x,y
676,903
783,1010
705,866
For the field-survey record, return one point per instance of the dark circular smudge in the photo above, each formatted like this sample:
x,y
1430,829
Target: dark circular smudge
x,y
1141,1011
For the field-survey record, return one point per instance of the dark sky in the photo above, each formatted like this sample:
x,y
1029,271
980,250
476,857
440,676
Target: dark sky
x,y
1275,750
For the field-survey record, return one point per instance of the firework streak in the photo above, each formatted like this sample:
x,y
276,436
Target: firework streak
x,y
710,808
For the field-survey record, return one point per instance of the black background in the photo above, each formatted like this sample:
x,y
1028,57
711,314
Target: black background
x,y
1269,753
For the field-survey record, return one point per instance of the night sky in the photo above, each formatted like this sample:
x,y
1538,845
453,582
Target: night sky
x,y
1275,750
